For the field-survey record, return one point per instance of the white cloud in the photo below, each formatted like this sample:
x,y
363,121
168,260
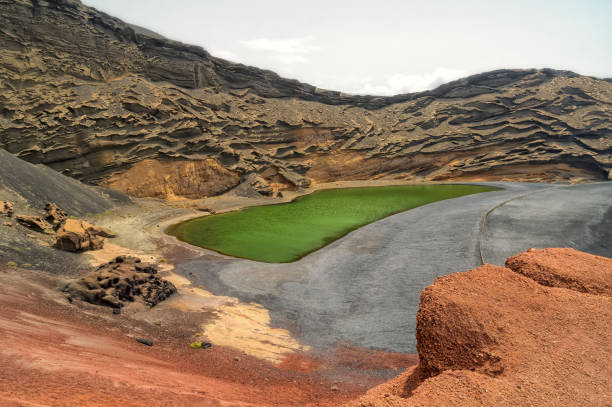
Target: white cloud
x,y
400,83
287,50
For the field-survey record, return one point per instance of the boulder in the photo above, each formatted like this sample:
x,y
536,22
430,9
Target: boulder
x,y
124,279
258,184
6,208
55,215
103,232
33,222
205,209
77,235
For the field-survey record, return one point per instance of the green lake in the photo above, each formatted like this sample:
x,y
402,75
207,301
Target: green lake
x,y
283,233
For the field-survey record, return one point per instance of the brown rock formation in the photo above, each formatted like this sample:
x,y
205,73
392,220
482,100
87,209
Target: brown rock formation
x,y
6,208
97,106
36,223
492,336
55,215
77,235
125,279
191,179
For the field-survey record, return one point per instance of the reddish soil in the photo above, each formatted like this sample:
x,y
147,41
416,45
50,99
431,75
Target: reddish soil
x,y
565,268
489,336
496,337
59,354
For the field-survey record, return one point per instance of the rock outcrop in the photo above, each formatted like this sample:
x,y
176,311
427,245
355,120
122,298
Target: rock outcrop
x,y
6,208
55,215
92,97
35,223
494,336
77,236
123,280
170,179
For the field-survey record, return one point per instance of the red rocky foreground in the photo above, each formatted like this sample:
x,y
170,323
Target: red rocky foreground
x,y
487,337
534,333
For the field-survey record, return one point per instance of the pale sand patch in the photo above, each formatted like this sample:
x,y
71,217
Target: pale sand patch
x,y
243,326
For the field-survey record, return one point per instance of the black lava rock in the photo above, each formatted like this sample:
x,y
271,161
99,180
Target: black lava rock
x,y
145,341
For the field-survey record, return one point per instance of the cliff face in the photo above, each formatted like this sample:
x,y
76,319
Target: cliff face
x,y
91,96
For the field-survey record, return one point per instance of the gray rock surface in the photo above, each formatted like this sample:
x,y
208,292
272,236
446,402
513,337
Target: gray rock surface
x,y
27,185
29,188
577,216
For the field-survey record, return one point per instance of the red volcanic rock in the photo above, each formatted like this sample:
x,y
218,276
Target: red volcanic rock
x,y
492,336
567,268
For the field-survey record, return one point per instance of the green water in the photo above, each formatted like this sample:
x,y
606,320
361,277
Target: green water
x,y
286,232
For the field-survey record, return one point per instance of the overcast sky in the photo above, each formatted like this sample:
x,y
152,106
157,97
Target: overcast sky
x,y
385,46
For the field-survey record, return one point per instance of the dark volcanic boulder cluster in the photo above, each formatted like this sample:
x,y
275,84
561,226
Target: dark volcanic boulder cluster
x,y
497,336
124,279
94,97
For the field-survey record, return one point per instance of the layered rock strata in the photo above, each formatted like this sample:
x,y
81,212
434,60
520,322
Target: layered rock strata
x,y
94,98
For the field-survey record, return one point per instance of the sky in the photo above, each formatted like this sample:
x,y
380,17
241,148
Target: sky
x,y
385,47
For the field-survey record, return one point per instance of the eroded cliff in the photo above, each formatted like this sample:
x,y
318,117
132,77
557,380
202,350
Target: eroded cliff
x,y
91,96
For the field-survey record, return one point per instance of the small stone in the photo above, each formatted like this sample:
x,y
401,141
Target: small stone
x,y
236,359
334,388
6,208
145,341
9,224
206,345
116,311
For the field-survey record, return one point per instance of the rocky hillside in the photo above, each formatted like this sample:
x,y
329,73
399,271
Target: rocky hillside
x,y
109,103
26,189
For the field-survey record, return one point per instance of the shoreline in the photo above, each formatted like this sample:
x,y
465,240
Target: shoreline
x,y
229,203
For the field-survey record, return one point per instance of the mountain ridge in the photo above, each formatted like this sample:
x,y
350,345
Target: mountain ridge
x,y
86,94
